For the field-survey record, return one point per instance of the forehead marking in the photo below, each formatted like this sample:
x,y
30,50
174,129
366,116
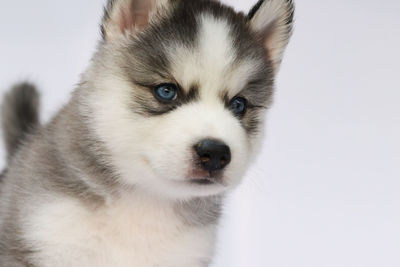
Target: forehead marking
x,y
216,53
209,59
212,62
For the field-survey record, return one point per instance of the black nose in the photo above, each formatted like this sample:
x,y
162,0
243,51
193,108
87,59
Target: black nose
x,y
214,155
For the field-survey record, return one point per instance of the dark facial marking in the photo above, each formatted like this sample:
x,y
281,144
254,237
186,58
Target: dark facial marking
x,y
250,119
258,94
146,102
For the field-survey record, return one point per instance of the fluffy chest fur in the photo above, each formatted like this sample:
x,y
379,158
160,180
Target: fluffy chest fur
x,y
140,232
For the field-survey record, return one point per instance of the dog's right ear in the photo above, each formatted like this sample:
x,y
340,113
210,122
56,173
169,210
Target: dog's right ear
x,y
122,17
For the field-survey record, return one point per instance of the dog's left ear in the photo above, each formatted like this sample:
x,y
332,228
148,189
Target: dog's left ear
x,y
130,16
272,20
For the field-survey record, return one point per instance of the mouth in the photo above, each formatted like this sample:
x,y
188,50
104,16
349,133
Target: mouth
x,y
201,177
205,181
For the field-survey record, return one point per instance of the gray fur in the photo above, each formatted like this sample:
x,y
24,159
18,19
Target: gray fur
x,y
20,115
66,158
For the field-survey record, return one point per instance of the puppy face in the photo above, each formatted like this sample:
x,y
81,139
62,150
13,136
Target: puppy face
x,y
181,90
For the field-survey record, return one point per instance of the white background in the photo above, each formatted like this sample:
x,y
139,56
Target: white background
x,y
326,189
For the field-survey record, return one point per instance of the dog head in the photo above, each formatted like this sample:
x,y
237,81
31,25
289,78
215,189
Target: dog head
x,y
180,89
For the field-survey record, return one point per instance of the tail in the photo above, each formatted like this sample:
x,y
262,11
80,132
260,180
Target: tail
x,y
20,115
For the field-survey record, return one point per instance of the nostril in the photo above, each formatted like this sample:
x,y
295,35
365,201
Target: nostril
x,y
224,160
206,155
205,158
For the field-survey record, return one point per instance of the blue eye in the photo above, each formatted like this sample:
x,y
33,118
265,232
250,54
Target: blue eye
x,y
167,92
238,105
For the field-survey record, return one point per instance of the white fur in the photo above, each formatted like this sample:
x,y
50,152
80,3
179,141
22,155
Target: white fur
x,y
212,64
209,62
146,234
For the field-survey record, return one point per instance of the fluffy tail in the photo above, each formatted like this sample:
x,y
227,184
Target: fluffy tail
x,y
20,115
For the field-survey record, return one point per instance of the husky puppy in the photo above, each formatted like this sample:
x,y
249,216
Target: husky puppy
x,y
165,121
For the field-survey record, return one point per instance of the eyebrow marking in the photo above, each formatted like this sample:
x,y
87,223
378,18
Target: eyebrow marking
x,y
148,104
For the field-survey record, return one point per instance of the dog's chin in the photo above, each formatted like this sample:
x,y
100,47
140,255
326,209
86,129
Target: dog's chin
x,y
190,187
206,178
206,187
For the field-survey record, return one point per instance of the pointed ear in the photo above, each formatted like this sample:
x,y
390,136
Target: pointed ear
x,y
129,16
272,20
